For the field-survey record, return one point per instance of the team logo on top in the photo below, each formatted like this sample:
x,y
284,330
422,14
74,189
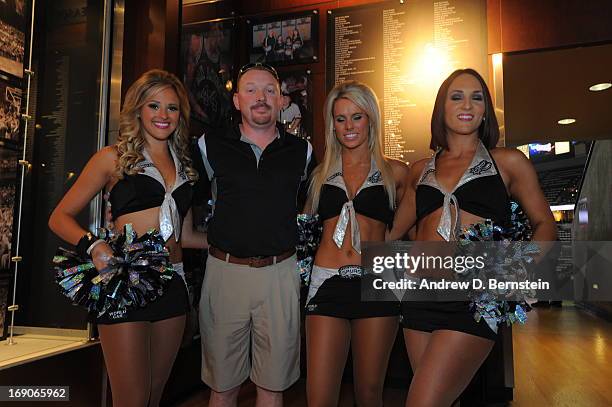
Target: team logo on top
x,y
426,174
335,175
481,167
375,178
144,164
182,173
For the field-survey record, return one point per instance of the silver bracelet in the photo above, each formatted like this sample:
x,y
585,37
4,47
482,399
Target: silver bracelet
x,y
94,244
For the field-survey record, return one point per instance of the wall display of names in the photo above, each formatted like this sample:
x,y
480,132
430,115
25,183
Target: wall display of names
x,y
284,39
404,52
207,66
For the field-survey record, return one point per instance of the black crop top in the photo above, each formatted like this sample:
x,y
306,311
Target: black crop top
x,y
480,191
372,202
147,189
137,192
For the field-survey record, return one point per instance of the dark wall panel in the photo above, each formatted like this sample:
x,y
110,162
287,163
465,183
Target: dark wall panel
x,y
151,38
520,25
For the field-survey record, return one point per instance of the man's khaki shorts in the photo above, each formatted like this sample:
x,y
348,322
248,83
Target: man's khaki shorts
x,y
250,321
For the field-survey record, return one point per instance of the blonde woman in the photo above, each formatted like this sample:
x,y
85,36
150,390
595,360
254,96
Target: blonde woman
x,y
148,175
354,191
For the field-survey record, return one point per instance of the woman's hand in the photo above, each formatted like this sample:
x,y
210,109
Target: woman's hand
x,y
101,255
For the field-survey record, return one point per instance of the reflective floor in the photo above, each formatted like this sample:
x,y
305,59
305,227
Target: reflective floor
x,y
562,357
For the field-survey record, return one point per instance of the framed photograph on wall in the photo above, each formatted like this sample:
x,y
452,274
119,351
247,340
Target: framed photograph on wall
x,y
10,106
9,159
284,39
207,62
12,37
9,170
296,107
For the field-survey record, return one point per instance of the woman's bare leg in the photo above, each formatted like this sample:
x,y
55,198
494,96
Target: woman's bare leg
x,y
416,342
327,345
372,341
126,354
446,368
166,337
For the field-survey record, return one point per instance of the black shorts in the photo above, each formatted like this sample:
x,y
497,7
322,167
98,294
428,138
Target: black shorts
x,y
340,297
172,303
453,316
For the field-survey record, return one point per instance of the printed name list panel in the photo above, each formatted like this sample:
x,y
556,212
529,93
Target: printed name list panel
x,y
404,51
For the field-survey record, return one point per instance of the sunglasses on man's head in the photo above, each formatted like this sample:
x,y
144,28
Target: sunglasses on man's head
x,y
260,66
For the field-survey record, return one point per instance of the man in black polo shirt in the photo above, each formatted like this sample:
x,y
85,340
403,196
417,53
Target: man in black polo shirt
x,y
249,309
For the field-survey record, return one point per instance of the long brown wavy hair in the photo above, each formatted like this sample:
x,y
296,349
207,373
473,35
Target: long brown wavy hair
x,y
131,140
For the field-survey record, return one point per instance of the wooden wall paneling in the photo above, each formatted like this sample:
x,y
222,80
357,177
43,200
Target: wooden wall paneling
x,y
529,25
204,12
494,26
137,54
152,32
155,38
172,54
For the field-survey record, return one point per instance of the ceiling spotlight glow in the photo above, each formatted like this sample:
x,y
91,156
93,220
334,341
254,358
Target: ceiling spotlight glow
x,y
600,86
567,121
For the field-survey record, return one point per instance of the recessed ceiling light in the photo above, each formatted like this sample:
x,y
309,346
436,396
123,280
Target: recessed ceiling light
x,y
600,86
567,121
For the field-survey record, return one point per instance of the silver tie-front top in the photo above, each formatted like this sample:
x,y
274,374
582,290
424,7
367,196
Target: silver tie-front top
x,y
169,217
347,214
481,166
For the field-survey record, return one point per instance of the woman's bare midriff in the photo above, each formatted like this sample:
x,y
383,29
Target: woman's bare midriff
x,y
145,220
330,256
428,226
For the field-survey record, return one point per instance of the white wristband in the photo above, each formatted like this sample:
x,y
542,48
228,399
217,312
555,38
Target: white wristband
x,y
94,244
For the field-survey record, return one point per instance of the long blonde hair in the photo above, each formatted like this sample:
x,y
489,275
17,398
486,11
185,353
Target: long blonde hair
x,y
364,97
131,140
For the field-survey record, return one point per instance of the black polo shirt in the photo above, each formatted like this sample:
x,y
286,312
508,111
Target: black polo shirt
x,y
255,193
